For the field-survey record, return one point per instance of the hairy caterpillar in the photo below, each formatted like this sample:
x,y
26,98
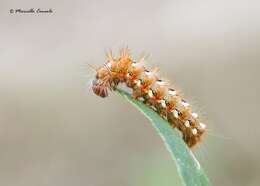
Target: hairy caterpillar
x,y
154,92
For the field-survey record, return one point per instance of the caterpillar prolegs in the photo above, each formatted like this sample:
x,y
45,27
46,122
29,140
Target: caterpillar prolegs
x,y
154,92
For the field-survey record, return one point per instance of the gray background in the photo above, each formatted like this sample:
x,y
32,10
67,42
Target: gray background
x,y
55,132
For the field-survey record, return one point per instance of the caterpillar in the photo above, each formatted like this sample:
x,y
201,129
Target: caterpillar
x,y
153,91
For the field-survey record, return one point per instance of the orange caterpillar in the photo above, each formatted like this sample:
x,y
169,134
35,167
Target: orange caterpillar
x,y
153,91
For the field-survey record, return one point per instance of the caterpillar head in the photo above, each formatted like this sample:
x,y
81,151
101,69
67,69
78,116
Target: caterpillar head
x,y
100,83
99,88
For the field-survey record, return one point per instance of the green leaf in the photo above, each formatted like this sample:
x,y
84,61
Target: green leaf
x,y
189,169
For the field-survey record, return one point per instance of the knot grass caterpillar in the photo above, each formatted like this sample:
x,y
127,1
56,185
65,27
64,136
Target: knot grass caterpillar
x,y
155,92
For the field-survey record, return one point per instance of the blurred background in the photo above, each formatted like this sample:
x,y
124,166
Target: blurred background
x,y
55,132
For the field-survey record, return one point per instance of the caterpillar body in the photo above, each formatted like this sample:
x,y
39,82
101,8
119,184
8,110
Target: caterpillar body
x,y
153,91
